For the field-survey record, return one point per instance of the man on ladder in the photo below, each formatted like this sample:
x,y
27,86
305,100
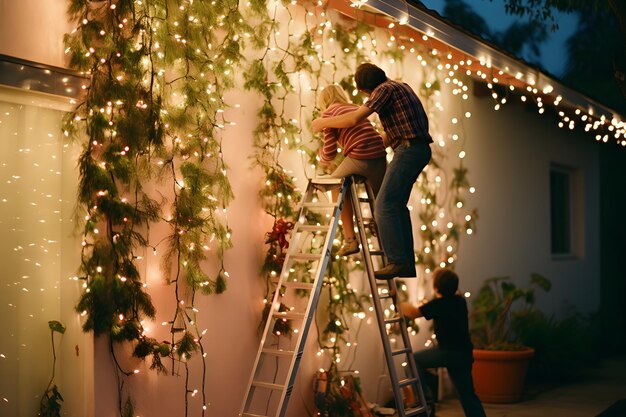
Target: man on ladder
x,y
406,127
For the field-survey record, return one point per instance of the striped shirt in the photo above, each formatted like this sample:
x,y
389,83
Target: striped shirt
x,y
400,111
361,141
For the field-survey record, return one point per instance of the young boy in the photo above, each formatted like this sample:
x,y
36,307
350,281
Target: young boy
x,y
406,126
454,350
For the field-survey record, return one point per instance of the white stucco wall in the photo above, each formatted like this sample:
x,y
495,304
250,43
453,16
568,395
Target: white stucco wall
x,y
33,30
509,153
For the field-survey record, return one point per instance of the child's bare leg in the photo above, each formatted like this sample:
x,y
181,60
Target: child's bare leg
x,y
346,215
350,244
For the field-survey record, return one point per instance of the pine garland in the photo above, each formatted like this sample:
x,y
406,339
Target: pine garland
x,y
153,113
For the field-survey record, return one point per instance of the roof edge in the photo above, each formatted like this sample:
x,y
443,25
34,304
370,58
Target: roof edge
x,y
420,19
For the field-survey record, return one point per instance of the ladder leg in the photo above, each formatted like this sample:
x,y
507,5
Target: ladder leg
x,y
410,382
268,391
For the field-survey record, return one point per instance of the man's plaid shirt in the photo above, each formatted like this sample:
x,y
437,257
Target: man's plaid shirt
x,y
400,111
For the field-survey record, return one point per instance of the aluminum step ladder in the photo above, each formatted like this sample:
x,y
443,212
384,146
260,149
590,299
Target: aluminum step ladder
x,y
300,284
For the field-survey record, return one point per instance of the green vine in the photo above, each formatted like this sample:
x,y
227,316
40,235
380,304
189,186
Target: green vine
x,y
153,113
50,404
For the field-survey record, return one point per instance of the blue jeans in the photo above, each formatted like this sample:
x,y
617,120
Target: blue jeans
x,y
459,365
391,212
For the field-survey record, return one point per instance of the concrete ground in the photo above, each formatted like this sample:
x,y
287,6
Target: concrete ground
x,y
602,386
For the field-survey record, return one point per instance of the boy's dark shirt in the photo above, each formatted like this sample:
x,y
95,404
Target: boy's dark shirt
x,y
451,324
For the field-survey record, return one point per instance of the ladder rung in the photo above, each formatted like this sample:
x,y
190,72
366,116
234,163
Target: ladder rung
x,y
299,285
407,381
278,352
401,351
326,181
289,315
319,205
410,412
311,228
252,415
396,319
376,253
268,385
364,199
383,290
306,256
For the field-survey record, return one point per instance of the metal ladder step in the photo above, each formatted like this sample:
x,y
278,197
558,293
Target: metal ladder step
x,y
278,352
326,181
297,285
289,315
393,320
319,205
306,256
401,351
267,385
415,411
407,381
299,227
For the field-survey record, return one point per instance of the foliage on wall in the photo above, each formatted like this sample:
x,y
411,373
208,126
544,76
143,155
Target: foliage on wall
x,y
153,114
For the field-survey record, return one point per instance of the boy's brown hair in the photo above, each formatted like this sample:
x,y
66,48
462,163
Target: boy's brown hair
x,y
368,76
445,281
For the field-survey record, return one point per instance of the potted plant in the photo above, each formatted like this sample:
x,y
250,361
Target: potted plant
x,y
500,359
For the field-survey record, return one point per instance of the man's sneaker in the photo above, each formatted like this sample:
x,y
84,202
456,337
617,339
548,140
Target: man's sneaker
x,y
391,271
350,247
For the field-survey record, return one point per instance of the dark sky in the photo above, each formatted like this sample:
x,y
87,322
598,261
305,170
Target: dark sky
x,y
553,52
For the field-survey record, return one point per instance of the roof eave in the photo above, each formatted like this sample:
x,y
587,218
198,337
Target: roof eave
x,y
469,44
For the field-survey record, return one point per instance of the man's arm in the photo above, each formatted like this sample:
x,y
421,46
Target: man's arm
x,y
343,120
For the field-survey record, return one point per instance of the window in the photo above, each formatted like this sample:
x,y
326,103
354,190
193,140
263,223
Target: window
x,y
38,182
560,211
566,212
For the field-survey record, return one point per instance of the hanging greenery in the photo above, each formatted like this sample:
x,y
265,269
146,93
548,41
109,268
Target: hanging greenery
x,y
119,122
153,114
268,76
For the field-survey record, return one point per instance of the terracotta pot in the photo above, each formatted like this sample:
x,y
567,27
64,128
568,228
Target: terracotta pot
x,y
499,375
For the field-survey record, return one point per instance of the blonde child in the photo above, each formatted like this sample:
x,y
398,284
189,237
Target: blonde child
x,y
364,154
